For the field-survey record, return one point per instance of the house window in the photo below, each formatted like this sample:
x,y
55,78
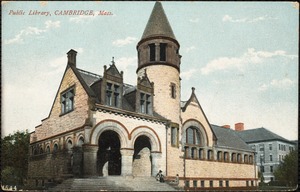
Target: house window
x,y
209,155
211,183
112,94
252,183
227,183
55,147
145,103
247,183
239,158
233,157
174,136
194,183
271,169
187,183
163,47
192,136
271,158
194,153
152,51
109,94
225,156
261,147
48,149
219,156
173,90
202,184
67,101
270,146
201,155
262,169
220,183
279,146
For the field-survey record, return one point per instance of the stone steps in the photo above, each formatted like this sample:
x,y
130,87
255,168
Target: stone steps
x,y
112,183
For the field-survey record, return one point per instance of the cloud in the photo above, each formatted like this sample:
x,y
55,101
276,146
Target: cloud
x,y
250,57
278,84
124,62
227,18
196,20
82,18
52,24
188,74
188,49
122,42
32,31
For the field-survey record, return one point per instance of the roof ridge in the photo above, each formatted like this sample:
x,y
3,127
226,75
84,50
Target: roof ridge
x,y
89,73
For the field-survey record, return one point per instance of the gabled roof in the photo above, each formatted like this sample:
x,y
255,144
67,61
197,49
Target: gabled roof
x,y
260,134
229,138
193,97
158,24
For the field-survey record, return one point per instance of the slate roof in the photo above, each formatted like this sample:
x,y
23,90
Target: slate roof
x,y
260,134
229,138
88,77
158,24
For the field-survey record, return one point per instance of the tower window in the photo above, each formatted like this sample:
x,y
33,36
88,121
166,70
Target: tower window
x,y
163,47
152,51
173,90
174,136
67,101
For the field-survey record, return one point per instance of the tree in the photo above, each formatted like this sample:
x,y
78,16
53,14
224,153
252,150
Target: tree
x,y
14,158
287,171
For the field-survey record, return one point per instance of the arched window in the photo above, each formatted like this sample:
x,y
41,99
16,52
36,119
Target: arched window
x,y
233,157
239,157
48,149
209,155
245,158
250,159
55,147
226,156
219,155
41,150
80,142
201,154
69,145
192,136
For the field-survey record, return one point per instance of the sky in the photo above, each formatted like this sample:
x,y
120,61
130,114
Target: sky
x,y
241,57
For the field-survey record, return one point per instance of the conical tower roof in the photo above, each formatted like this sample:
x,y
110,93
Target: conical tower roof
x,y
158,24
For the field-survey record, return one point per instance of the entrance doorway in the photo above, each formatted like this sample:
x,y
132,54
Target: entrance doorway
x,y
108,155
142,163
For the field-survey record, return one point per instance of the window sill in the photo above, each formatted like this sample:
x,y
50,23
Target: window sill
x,y
62,114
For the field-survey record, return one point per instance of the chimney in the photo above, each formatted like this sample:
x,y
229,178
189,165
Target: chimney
x,y
72,57
239,126
226,126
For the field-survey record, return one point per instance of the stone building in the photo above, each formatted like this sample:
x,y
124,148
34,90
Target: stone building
x,y
99,126
270,149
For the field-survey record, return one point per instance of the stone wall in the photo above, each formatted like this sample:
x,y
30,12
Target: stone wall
x,y
58,123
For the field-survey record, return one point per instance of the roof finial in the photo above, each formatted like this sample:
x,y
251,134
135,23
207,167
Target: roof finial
x,y
113,60
193,89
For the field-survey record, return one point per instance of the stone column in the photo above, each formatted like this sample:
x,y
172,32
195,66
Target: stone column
x,y
90,160
127,157
156,164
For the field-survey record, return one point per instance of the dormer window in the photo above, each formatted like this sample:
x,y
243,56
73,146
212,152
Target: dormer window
x,y
152,51
163,47
112,94
67,101
145,103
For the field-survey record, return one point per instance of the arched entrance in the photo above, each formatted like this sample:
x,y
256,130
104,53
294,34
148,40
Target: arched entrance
x,y
108,155
142,163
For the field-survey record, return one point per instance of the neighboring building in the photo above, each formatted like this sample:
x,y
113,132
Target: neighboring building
x,y
270,149
99,125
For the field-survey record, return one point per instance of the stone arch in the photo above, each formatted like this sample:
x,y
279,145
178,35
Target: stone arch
x,y
111,125
199,127
148,132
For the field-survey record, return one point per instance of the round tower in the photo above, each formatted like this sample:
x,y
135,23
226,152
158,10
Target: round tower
x,y
158,53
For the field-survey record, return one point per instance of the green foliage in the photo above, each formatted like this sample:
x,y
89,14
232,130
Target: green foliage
x,y
287,172
14,158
